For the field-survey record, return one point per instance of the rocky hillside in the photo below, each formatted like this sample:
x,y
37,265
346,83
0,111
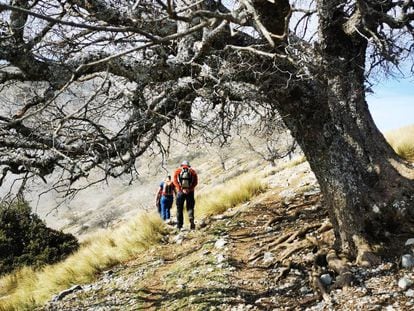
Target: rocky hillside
x,y
271,253
109,204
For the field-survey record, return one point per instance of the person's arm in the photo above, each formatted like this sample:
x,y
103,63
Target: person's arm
x,y
194,181
159,192
176,181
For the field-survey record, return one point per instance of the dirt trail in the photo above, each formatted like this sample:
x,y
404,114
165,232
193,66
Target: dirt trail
x,y
241,281
259,273
260,256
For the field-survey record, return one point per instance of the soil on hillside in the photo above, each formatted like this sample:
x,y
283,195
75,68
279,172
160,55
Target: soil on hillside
x,y
268,254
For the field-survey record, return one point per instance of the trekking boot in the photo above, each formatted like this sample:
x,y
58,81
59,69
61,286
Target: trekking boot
x,y
192,224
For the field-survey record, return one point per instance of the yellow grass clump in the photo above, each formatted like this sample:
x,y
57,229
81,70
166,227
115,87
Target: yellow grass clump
x,y
402,141
26,288
220,198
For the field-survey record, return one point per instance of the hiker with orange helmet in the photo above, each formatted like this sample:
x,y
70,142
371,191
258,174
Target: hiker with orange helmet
x,y
185,180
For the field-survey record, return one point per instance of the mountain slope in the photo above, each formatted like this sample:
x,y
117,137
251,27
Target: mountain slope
x,y
262,255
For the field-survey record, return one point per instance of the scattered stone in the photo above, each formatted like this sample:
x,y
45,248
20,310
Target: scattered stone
x,y
326,279
405,282
409,242
375,209
87,288
220,243
203,223
407,261
311,192
66,292
268,258
181,286
218,217
304,290
220,258
409,293
287,194
179,238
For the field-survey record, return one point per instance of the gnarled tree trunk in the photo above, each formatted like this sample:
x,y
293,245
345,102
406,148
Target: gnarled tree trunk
x,y
367,188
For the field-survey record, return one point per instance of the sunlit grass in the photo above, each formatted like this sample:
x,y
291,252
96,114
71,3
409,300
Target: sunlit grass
x,y
228,195
402,141
26,288
286,165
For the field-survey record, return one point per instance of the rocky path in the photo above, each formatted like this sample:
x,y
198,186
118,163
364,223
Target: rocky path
x,y
261,256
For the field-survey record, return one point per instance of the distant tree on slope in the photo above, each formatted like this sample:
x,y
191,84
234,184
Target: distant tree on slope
x,y
96,82
26,241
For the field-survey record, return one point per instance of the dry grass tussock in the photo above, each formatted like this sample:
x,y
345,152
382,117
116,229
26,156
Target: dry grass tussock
x,y
220,198
26,288
402,141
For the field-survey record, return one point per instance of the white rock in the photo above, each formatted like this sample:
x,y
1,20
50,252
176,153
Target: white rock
x,y
181,286
179,238
326,279
218,217
409,293
409,242
268,257
287,194
220,258
311,192
407,261
66,292
405,282
220,243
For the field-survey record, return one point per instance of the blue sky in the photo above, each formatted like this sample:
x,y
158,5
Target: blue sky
x,y
392,104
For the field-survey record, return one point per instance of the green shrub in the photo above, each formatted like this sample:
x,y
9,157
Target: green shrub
x,y
25,288
25,240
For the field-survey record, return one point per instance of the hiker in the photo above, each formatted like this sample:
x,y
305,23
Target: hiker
x,y
165,198
185,180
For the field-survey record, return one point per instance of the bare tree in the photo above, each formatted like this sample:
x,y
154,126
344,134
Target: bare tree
x,y
106,76
271,140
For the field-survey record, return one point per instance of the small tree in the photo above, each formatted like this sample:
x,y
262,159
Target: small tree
x,y
271,140
26,241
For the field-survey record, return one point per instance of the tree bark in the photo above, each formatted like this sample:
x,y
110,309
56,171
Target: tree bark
x,y
367,188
